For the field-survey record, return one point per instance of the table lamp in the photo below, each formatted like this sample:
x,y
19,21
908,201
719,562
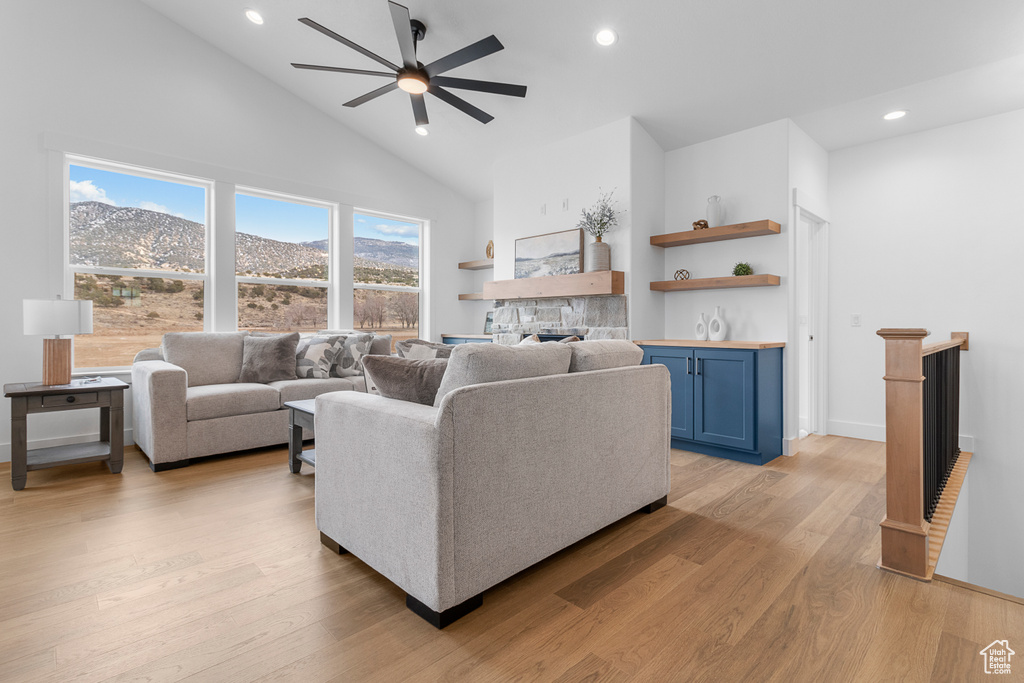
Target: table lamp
x,y
57,317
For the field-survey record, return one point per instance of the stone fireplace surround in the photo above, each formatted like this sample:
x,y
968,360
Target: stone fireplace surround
x,y
593,317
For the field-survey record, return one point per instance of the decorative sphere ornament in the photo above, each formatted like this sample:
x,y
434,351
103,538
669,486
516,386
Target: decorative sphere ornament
x,y
682,274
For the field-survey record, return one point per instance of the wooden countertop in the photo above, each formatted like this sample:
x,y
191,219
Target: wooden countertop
x,y
712,344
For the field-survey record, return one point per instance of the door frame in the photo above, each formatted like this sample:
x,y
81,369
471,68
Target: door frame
x,y
808,207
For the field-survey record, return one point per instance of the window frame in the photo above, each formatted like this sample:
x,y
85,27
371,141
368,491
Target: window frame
x,y
69,269
330,284
420,290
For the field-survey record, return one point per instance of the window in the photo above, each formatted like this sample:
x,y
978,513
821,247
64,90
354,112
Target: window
x,y
281,259
137,245
386,275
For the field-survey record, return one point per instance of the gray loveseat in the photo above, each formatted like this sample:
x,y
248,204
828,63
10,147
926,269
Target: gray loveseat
x,y
196,407
448,500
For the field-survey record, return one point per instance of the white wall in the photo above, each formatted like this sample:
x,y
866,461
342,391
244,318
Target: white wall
x,y
575,170
647,200
114,75
926,232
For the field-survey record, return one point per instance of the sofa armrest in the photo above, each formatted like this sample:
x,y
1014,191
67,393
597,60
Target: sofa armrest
x,y
383,488
158,408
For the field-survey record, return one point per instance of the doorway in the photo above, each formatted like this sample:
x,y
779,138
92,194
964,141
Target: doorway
x,y
810,312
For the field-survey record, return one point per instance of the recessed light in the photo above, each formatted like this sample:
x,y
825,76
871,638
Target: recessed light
x,y
893,115
422,130
605,37
254,16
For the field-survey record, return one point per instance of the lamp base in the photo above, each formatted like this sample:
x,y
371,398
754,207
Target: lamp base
x,y
56,361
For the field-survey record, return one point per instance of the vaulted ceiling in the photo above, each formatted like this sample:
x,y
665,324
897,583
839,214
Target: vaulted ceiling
x,y
688,70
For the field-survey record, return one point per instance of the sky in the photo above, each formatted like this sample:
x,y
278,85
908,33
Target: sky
x,y
271,218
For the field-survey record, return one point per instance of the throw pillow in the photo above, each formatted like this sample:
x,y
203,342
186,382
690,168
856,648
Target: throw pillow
x,y
315,355
381,345
207,357
421,349
569,339
481,363
268,359
532,339
403,379
602,354
350,363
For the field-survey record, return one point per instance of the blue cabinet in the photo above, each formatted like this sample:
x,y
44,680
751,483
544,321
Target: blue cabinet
x,y
725,402
446,339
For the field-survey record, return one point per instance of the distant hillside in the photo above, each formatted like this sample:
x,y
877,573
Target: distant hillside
x,y
382,251
128,237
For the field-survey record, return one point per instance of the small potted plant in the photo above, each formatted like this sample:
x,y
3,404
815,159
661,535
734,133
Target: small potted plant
x,y
742,268
598,220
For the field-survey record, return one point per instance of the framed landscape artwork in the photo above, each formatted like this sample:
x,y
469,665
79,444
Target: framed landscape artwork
x,y
556,253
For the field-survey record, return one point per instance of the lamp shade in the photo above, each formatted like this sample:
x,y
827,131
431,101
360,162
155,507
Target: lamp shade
x,y
57,316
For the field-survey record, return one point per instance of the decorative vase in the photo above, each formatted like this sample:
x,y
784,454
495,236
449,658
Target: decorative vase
x,y
598,257
701,331
717,328
714,211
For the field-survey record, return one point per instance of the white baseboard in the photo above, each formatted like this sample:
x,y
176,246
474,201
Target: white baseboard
x,y
858,430
5,448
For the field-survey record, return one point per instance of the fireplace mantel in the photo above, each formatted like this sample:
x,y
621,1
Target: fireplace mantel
x,y
600,283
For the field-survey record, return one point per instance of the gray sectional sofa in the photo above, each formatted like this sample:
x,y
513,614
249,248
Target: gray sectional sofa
x,y
525,451
196,406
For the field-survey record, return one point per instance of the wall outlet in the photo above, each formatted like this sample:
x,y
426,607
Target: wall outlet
x,y
565,205
543,209
855,320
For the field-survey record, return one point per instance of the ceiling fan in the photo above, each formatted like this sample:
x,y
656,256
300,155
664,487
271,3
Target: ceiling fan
x,y
416,78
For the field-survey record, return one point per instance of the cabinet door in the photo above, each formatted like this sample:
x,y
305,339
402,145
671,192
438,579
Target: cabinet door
x,y
723,398
680,367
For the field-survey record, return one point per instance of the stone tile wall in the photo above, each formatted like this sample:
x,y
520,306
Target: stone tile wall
x,y
595,317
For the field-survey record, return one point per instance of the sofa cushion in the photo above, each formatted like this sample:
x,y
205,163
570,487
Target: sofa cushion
x,y
603,354
405,379
268,358
305,389
225,400
350,363
315,355
421,349
381,345
207,357
482,363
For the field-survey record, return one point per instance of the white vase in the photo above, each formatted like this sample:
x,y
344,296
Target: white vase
x,y
717,328
701,331
714,211
597,256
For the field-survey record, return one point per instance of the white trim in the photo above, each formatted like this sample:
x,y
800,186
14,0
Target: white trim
x,y
247,280
131,272
871,432
388,288
5,448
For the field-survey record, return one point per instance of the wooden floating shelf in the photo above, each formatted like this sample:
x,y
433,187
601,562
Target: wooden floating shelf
x,y
475,296
482,264
605,282
713,283
719,234
694,343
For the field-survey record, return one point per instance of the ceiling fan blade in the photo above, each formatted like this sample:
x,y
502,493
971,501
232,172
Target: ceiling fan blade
x,y
345,41
373,94
419,109
314,67
470,53
460,104
403,29
480,86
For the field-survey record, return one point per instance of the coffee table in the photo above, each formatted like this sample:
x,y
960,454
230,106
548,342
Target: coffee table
x,y
105,393
300,416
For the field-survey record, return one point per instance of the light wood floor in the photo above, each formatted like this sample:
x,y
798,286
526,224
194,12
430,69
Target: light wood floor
x,y
216,573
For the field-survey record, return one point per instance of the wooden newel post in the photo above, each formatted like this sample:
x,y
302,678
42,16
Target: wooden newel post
x,y
904,529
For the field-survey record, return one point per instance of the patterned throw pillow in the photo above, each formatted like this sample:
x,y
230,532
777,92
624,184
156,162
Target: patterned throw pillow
x,y
315,356
532,339
421,349
350,362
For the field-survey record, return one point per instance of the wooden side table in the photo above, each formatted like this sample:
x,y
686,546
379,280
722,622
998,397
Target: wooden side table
x,y
300,416
107,394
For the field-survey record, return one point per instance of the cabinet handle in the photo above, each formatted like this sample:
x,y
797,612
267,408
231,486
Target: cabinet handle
x,y
71,399
698,366
688,372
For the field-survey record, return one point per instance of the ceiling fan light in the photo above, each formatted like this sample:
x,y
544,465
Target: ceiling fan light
x,y
254,16
422,130
605,37
413,83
